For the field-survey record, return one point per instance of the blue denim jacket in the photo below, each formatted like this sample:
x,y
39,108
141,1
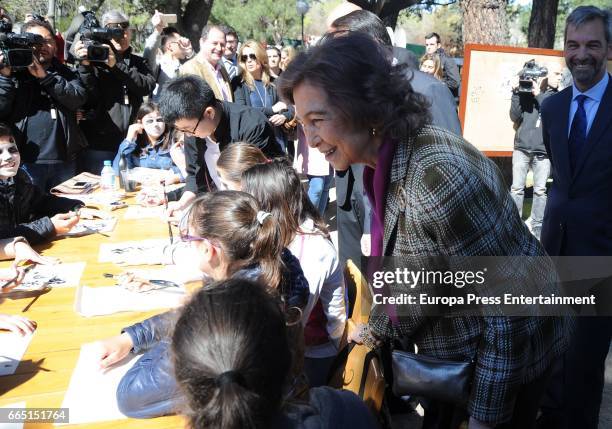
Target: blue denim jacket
x,y
149,389
149,157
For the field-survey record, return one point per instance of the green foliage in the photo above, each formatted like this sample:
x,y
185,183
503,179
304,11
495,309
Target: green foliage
x,y
565,8
261,20
445,20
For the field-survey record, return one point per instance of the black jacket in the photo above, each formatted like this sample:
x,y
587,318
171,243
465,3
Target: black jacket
x,y
451,76
110,115
25,210
525,113
238,124
67,93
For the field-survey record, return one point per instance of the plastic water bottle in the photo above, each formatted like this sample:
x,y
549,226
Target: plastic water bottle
x,y
107,180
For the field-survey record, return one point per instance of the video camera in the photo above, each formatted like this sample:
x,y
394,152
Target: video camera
x,y
530,73
94,36
16,48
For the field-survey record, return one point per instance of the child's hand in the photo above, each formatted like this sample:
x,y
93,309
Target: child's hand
x,y
63,222
23,253
114,349
17,324
15,274
134,131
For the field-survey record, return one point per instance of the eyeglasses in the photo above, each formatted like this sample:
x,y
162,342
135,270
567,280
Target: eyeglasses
x,y
244,58
196,126
122,25
151,121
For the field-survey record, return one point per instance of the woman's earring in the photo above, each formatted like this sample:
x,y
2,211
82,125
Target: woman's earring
x,y
373,132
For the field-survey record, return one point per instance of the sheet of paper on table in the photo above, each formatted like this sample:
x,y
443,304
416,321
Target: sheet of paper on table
x,y
20,405
144,212
59,275
171,273
92,394
12,348
100,301
144,252
92,226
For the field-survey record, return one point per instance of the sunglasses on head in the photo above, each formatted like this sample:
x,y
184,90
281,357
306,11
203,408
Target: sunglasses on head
x,y
244,58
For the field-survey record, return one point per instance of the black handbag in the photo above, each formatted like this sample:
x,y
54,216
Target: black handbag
x,y
437,379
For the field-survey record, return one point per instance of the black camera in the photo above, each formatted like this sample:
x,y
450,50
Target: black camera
x,y
530,73
17,48
94,37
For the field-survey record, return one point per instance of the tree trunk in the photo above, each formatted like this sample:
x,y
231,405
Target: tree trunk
x,y
484,21
193,19
542,24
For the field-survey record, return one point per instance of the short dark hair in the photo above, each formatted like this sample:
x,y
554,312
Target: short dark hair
x,y
272,47
168,33
227,30
361,84
185,97
25,28
6,131
364,22
584,14
432,34
207,29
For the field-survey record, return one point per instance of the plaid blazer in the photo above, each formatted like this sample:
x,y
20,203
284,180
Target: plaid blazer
x,y
446,199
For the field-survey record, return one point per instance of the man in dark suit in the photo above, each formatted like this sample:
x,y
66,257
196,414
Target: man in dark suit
x,y
577,131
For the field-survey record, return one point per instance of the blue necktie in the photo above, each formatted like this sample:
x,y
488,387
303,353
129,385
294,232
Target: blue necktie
x,y
578,132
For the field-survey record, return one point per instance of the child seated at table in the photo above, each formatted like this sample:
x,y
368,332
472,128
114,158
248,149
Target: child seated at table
x,y
232,360
233,238
148,144
277,187
26,210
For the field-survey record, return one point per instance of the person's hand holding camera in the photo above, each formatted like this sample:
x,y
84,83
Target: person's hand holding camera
x,y
156,21
537,87
36,69
112,59
80,52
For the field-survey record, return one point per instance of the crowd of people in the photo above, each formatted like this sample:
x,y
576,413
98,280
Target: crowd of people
x,y
240,123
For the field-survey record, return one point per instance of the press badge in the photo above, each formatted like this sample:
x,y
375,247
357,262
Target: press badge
x,y
53,113
126,99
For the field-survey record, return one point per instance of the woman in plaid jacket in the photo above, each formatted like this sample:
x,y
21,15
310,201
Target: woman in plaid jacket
x,y
434,197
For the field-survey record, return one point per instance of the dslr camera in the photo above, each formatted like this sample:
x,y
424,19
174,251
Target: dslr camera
x,y
530,73
94,37
16,48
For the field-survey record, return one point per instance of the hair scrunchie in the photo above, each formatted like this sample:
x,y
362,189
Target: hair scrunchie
x,y
229,377
262,216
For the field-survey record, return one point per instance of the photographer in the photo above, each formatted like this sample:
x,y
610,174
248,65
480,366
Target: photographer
x,y
119,86
40,103
529,150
